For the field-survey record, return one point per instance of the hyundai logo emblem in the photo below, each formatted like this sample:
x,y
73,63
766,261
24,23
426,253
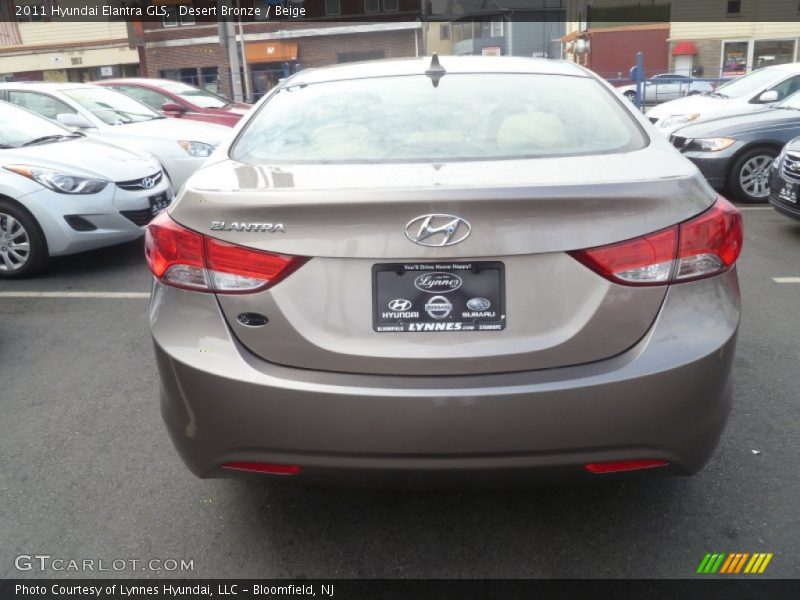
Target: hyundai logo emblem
x,y
148,182
437,230
399,304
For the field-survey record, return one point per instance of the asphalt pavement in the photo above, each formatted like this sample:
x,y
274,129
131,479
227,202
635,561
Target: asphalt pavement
x,y
88,472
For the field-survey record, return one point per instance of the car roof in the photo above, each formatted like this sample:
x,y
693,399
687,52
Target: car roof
x,y
43,86
151,81
451,64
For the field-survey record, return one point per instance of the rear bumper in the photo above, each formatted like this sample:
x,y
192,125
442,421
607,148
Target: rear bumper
x,y
666,398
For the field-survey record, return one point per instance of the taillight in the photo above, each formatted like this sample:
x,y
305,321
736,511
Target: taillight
x,y
703,246
186,259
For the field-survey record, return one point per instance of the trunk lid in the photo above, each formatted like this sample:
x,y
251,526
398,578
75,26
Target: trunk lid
x,y
350,218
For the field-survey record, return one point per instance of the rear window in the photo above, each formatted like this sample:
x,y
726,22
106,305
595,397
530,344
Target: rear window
x,y
467,117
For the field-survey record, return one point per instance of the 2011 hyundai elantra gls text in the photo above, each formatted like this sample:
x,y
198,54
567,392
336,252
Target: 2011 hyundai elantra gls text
x,y
474,270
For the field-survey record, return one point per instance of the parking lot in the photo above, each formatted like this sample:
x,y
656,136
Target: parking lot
x,y
90,473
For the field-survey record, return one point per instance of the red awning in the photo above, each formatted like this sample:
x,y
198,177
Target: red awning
x,y
684,49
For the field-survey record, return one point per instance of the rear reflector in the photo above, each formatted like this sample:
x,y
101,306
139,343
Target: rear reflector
x,y
624,465
186,259
703,246
255,467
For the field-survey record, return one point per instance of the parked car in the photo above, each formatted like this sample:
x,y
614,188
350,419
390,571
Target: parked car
x,y
180,146
735,153
484,269
62,192
665,87
749,93
180,100
785,180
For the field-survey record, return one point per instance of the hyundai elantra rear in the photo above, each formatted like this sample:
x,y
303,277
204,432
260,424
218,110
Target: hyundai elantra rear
x,y
474,270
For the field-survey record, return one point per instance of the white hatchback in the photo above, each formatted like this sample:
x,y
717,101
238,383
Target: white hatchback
x,y
181,146
62,192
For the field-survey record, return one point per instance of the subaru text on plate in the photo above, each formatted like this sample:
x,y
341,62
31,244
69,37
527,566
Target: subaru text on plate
x,y
482,271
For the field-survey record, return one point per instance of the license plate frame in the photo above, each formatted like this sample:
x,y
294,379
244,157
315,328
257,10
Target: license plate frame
x,y
159,202
474,291
788,192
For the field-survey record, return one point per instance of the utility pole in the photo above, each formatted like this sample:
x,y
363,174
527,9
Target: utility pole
x,y
227,39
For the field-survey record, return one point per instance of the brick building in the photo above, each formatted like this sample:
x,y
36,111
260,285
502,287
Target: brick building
x,y
333,31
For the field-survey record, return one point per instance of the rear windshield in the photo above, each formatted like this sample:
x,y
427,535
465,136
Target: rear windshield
x,y
467,117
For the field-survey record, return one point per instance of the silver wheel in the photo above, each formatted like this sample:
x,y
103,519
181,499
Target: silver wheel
x,y
754,176
15,245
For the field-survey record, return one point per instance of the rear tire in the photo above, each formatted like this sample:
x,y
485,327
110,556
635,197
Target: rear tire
x,y
748,180
23,249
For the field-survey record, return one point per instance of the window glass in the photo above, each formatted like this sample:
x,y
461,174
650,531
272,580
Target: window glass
x,y
152,98
734,59
195,95
772,52
332,7
372,5
209,79
788,87
41,104
18,127
113,108
468,116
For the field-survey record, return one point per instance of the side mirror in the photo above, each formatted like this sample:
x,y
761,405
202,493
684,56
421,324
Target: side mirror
x,y
74,121
171,107
767,97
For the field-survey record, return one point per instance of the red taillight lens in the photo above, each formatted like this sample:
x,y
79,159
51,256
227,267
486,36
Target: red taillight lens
x,y
706,245
644,261
175,254
255,467
236,269
183,258
624,465
710,243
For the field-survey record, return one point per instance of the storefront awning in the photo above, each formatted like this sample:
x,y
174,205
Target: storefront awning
x,y
275,51
684,49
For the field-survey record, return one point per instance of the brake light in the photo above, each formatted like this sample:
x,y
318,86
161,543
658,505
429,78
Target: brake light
x,y
186,259
703,246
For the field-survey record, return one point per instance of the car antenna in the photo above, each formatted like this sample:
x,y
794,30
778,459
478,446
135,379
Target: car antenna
x,y
435,70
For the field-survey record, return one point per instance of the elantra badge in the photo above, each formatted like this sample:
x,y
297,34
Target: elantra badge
x,y
437,230
249,227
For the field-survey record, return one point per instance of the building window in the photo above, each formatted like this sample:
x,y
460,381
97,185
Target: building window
x,y
188,75
333,7
734,7
734,59
772,52
344,57
171,18
444,31
390,5
209,79
497,27
371,6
